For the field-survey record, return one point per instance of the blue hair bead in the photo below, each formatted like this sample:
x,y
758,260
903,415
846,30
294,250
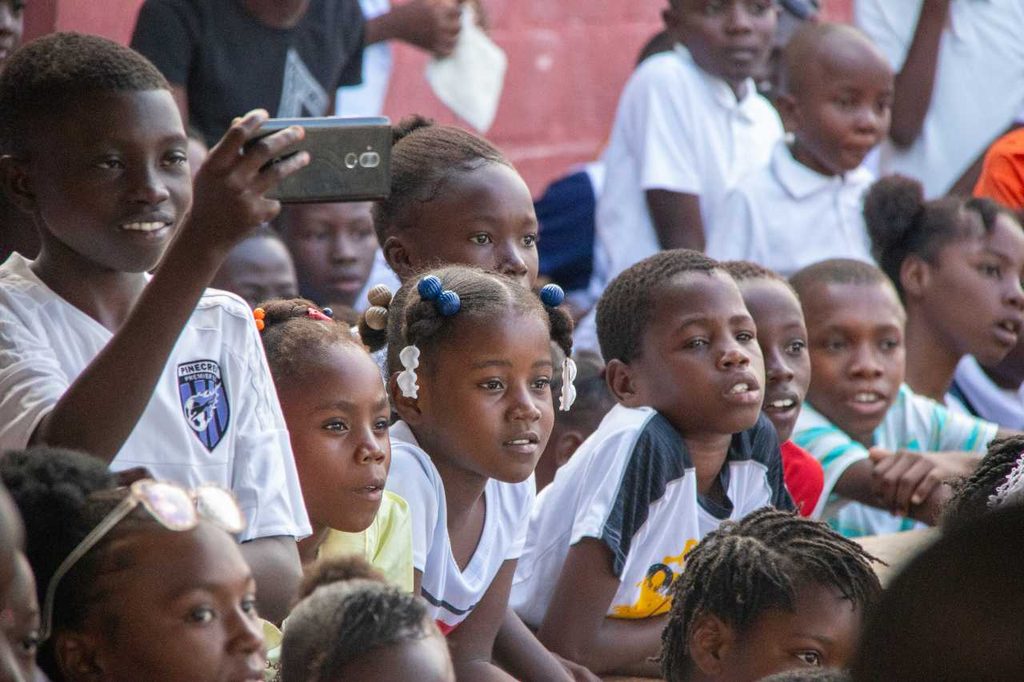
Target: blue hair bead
x,y
429,288
448,303
552,295
328,312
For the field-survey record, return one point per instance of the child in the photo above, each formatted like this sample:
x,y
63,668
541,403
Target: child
x,y
470,380
782,335
337,412
995,483
805,204
99,356
455,199
957,265
22,629
685,449
363,630
965,591
258,268
334,247
882,446
768,593
593,400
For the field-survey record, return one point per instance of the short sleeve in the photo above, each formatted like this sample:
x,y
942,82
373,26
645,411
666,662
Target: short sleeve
x,y
166,33
524,495
955,431
737,232
264,478
31,381
353,27
421,492
833,448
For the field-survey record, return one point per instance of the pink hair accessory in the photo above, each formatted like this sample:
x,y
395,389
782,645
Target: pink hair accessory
x,y
314,314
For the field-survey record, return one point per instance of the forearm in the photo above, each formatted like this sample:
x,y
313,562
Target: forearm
x,y
95,419
381,28
480,670
617,647
274,562
676,218
916,80
519,651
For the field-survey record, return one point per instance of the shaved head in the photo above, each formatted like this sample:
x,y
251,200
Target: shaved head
x,y
818,50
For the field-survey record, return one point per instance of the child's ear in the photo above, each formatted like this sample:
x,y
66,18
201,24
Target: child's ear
x,y
16,184
710,643
915,276
408,409
396,254
568,442
621,383
670,15
78,657
788,110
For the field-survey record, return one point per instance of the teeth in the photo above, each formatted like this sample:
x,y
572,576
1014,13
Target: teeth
x,y
143,227
782,404
866,398
519,441
739,388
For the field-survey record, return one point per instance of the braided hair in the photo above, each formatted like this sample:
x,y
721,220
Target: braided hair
x,y
971,494
747,567
293,340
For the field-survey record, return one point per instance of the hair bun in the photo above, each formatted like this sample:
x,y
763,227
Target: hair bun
x,y
891,209
409,125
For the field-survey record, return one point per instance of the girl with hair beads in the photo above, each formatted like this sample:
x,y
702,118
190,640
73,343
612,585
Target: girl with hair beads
x,y
455,198
471,368
337,412
957,265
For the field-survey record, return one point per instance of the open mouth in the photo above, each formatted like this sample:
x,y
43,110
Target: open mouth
x,y
148,226
524,440
780,404
868,398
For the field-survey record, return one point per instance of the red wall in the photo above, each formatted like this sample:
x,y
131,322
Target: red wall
x,y
568,60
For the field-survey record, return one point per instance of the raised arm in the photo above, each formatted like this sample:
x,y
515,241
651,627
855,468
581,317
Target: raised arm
x,y
431,25
916,79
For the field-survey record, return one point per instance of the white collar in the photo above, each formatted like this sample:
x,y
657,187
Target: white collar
x,y
800,182
721,91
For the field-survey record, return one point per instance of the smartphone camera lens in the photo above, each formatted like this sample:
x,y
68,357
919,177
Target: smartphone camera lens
x,y
369,159
351,160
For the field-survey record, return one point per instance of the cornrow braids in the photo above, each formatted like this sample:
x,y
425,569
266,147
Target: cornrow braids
x,y
747,567
971,494
424,158
624,310
292,339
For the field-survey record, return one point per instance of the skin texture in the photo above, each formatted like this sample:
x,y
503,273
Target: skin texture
x,y
12,22
782,335
184,610
22,629
968,301
838,100
431,25
334,246
916,79
821,631
423,660
483,217
337,417
258,269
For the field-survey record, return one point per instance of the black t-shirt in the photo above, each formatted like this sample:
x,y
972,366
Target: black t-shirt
x,y
230,63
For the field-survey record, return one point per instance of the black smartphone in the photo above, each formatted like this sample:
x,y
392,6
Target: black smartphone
x,y
350,160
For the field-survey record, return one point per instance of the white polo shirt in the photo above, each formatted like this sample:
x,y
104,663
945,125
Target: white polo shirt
x,y
213,416
979,82
677,128
786,216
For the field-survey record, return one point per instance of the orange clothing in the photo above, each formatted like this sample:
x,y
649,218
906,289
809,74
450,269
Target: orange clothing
x,y
1002,175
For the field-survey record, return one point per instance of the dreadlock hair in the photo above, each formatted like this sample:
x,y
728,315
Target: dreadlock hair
x,y
341,622
809,675
424,158
335,570
625,308
971,494
48,77
294,341
483,295
902,224
747,567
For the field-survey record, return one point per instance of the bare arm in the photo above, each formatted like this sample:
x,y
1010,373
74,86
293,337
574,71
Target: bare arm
x,y
916,80
577,627
519,651
472,642
228,202
677,219
275,566
431,25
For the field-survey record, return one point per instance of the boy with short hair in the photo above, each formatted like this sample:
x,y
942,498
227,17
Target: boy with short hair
x,y
805,205
685,448
98,356
883,447
258,269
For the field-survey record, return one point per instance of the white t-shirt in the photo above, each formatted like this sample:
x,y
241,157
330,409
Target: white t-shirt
x,y
632,486
677,128
213,416
367,98
973,392
786,216
979,82
453,593
912,423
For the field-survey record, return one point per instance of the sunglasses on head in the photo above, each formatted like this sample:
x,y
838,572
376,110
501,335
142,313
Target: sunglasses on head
x,y
174,507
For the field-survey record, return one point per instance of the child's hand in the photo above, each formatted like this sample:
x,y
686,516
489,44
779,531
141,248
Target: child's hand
x,y
228,199
902,479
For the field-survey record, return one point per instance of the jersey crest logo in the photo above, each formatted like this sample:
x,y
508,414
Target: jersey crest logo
x,y
204,401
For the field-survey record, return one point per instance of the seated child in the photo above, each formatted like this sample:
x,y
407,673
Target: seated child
x,y
470,360
363,629
258,268
805,204
455,198
572,427
782,335
334,247
768,593
337,412
957,265
964,591
685,448
22,629
98,355
883,447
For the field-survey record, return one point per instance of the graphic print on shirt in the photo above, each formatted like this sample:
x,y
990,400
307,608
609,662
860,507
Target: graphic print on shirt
x,y
301,92
655,596
204,401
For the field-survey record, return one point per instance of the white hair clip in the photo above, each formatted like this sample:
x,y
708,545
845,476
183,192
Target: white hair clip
x,y
568,396
410,358
1010,491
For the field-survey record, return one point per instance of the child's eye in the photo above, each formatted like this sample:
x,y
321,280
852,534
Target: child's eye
x,y
542,383
492,385
796,347
481,239
745,337
697,343
530,240
381,425
30,643
990,270
112,163
336,425
834,345
249,605
889,344
177,159
810,657
201,614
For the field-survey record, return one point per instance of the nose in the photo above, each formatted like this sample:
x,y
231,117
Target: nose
x,y
733,357
777,370
1014,294
510,261
149,187
246,632
370,450
737,18
524,407
342,247
865,363
868,120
